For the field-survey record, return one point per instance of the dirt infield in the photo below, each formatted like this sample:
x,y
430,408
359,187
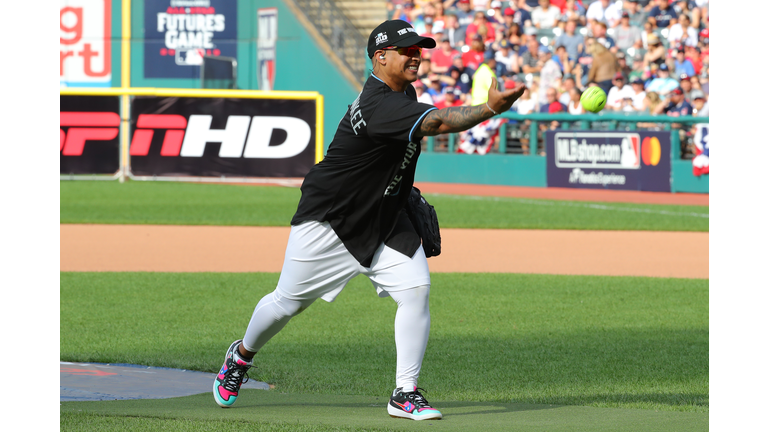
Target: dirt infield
x,y
261,249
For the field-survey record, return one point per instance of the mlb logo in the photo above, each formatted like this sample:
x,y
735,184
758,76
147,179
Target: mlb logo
x,y
630,152
381,38
190,57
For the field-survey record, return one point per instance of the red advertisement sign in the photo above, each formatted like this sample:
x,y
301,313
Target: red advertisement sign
x,y
89,132
85,43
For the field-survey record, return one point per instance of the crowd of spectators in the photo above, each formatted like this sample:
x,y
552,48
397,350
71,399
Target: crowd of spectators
x,y
649,56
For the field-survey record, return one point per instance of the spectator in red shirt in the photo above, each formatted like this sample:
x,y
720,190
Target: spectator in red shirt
x,y
442,58
693,54
451,99
474,57
552,105
474,28
560,4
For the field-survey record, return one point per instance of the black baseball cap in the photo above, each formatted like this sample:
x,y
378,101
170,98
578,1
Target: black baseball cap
x,y
396,33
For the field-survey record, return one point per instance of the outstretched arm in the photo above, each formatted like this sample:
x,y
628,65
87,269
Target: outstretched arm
x,y
457,119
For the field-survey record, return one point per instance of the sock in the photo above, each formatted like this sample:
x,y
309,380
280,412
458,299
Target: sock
x,y
241,355
411,334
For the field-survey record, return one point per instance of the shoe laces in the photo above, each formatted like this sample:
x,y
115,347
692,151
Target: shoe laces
x,y
417,398
235,377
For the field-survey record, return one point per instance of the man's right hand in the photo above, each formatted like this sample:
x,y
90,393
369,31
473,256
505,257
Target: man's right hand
x,y
501,101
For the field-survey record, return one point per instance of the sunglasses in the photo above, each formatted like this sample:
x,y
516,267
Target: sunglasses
x,y
411,51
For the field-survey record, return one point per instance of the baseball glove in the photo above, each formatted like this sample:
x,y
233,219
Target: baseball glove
x,y
424,219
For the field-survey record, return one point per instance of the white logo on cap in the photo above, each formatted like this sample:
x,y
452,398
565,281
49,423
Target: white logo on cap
x,y
381,38
406,30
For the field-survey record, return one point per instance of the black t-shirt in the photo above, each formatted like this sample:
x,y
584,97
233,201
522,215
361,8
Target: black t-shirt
x,y
362,184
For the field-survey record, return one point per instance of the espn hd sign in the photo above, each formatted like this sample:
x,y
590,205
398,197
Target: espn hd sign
x,y
196,136
609,160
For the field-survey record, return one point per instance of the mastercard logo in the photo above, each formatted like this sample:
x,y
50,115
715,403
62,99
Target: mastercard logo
x,y
651,151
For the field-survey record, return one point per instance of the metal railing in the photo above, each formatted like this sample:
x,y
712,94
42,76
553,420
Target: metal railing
x,y
346,40
602,121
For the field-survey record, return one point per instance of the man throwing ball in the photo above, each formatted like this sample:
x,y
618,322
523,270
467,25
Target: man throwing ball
x,y
351,218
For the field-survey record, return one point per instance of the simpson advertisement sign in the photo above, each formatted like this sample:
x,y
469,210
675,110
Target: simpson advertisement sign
x,y
178,33
609,160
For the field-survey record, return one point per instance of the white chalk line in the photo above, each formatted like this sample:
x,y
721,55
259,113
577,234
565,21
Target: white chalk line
x,y
574,204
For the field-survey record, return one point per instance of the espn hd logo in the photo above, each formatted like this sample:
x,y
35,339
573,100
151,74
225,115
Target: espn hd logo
x,y
242,136
86,126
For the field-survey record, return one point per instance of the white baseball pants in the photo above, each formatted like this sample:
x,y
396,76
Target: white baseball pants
x,y
317,265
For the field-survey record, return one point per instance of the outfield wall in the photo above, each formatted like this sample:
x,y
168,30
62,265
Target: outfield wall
x,y
300,64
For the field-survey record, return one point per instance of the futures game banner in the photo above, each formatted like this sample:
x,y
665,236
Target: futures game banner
x,y
178,33
609,160
215,137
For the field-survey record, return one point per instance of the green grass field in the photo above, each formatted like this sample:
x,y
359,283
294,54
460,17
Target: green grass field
x,y
606,342
208,204
507,352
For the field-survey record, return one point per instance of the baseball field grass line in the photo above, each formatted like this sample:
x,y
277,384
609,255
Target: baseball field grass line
x,y
605,207
609,342
168,203
275,411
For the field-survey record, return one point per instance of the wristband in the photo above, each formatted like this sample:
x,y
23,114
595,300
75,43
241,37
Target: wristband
x,y
489,107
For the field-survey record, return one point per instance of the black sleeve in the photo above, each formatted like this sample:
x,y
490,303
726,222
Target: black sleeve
x,y
396,118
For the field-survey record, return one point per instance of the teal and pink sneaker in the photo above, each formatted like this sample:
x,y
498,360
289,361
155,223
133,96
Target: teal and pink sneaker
x,y
411,405
230,377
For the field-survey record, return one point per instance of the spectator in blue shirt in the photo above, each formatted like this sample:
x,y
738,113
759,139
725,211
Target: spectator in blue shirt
x,y
572,41
662,84
664,15
464,14
683,66
522,15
